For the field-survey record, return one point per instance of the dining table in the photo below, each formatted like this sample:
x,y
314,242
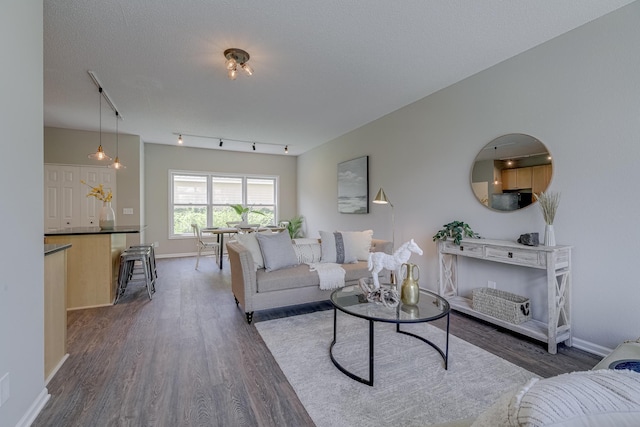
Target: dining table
x,y
220,232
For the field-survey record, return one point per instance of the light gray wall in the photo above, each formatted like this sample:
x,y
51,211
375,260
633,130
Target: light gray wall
x,y
21,186
71,147
580,95
159,159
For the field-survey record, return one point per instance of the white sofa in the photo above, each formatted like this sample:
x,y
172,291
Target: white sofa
x,y
256,288
601,397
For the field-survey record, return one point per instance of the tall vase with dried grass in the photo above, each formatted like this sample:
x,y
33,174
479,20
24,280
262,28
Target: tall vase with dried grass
x,y
549,205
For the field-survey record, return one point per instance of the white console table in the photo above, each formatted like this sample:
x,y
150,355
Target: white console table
x,y
556,260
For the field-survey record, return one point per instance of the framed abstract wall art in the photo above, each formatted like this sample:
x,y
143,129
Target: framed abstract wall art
x,y
353,186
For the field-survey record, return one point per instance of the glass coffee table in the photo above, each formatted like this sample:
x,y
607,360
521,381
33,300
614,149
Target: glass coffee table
x,y
352,301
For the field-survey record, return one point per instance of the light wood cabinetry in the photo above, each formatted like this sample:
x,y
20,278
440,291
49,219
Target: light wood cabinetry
x,y
516,179
65,201
555,260
540,178
55,312
93,263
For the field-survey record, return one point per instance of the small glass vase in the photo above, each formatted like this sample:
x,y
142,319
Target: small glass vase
x,y
549,235
107,218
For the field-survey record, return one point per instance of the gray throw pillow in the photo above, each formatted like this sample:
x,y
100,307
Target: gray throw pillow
x,y
277,251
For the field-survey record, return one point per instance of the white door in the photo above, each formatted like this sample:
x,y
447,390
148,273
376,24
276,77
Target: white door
x,y
94,176
61,204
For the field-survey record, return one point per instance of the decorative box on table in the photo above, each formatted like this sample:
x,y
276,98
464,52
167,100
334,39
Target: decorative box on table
x,y
502,305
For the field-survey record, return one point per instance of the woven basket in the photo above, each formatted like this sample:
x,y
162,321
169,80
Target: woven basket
x,y
502,305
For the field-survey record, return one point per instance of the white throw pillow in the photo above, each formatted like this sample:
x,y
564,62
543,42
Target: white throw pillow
x,y
358,243
308,253
249,241
587,398
277,251
334,249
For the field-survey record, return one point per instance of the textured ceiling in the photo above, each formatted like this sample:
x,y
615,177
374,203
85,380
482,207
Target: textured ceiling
x,y
322,68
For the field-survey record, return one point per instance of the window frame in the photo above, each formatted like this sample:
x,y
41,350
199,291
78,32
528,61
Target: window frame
x,y
210,205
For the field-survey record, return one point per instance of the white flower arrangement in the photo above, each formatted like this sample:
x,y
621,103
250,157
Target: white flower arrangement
x,y
548,205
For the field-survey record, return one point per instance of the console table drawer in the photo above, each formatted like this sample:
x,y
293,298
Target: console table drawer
x,y
470,250
515,256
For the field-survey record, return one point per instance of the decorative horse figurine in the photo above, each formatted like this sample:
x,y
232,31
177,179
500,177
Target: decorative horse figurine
x,y
380,260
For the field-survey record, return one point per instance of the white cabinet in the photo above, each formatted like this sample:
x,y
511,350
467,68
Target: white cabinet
x,y
65,201
555,260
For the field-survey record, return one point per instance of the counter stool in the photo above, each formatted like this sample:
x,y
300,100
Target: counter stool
x,y
152,258
130,270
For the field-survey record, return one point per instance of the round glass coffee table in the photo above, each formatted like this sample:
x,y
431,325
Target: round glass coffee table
x,y
352,301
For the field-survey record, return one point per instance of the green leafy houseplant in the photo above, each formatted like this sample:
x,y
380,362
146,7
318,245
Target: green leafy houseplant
x,y
243,211
457,230
294,226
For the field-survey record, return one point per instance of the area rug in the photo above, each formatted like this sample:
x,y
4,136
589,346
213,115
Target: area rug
x,y
411,386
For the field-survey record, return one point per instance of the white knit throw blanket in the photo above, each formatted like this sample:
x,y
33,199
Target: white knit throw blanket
x,y
331,275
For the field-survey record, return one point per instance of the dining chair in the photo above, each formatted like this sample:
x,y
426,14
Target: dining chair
x,y
204,245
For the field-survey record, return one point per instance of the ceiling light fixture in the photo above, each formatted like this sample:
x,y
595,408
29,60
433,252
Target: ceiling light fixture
x,y
180,141
237,57
231,143
117,164
99,154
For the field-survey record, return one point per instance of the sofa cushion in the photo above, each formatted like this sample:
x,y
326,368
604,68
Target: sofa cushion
x,y
308,252
334,248
358,243
277,251
300,276
586,398
249,241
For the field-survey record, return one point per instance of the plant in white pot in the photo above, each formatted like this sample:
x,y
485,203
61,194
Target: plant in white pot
x,y
244,211
549,202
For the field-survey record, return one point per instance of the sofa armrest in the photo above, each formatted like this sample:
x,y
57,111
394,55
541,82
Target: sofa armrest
x,y
243,274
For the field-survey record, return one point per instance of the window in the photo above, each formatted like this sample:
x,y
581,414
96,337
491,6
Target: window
x,y
206,199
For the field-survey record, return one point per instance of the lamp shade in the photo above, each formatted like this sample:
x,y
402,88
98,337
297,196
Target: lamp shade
x,y
381,197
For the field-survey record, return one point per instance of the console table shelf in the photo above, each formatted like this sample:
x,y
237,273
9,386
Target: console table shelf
x,y
556,260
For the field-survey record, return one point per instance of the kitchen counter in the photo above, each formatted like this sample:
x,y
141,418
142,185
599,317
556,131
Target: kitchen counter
x,y
94,230
55,307
93,261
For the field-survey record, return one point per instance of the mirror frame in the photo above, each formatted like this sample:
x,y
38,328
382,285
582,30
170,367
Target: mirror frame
x,y
500,191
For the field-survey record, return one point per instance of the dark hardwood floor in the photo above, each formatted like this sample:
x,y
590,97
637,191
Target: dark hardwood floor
x,y
188,358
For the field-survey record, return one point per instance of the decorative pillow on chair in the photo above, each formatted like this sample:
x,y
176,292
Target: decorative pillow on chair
x,y
277,251
345,247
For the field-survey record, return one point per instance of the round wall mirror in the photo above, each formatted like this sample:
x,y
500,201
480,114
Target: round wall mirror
x,y
509,170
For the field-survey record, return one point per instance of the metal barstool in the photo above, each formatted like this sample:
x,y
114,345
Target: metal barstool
x,y
152,257
130,270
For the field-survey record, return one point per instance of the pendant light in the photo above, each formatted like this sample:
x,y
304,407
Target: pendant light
x,y
116,164
100,154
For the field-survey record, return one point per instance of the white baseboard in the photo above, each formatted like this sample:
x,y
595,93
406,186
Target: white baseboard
x,y
34,409
183,255
590,347
54,371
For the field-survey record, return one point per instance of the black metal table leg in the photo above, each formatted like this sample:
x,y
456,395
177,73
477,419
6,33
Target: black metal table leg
x,y
351,375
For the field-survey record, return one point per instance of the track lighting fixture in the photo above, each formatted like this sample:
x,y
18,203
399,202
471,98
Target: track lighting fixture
x,y
237,57
99,154
116,164
231,144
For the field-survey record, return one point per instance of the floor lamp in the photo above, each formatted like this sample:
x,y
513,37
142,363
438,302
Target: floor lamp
x,y
381,199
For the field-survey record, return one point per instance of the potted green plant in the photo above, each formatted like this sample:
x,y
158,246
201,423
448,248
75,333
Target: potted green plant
x,y
244,211
457,230
294,226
